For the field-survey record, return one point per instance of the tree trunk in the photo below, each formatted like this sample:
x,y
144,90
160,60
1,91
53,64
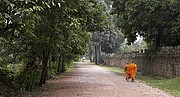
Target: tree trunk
x,y
157,42
63,64
96,56
44,73
59,65
91,54
91,57
98,53
100,60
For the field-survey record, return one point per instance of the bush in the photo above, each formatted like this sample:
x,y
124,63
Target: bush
x,y
6,76
52,73
27,79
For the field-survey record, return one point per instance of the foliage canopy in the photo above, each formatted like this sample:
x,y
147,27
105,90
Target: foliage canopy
x,y
156,20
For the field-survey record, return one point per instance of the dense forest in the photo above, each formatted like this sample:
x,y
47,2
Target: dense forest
x,y
40,38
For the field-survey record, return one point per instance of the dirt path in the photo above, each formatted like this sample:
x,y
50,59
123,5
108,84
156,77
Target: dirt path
x,y
93,81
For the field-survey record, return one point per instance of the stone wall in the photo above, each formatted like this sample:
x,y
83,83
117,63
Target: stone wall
x,y
165,62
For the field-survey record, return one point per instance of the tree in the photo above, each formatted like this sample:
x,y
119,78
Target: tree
x,y
156,21
97,26
111,36
33,32
106,37
60,31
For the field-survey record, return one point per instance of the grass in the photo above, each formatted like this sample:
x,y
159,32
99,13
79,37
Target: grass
x,y
169,85
70,67
115,69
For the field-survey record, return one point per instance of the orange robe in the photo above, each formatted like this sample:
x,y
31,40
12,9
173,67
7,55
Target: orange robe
x,y
127,71
130,70
133,69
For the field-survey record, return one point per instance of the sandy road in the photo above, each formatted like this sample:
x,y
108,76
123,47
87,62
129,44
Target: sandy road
x,y
88,80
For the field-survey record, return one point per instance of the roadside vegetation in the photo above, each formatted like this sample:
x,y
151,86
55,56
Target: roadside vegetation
x,y
40,38
169,85
12,89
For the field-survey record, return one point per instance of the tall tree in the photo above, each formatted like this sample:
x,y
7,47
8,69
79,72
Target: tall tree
x,y
156,20
35,31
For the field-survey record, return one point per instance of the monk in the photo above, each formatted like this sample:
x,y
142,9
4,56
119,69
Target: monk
x,y
127,71
133,69
130,70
